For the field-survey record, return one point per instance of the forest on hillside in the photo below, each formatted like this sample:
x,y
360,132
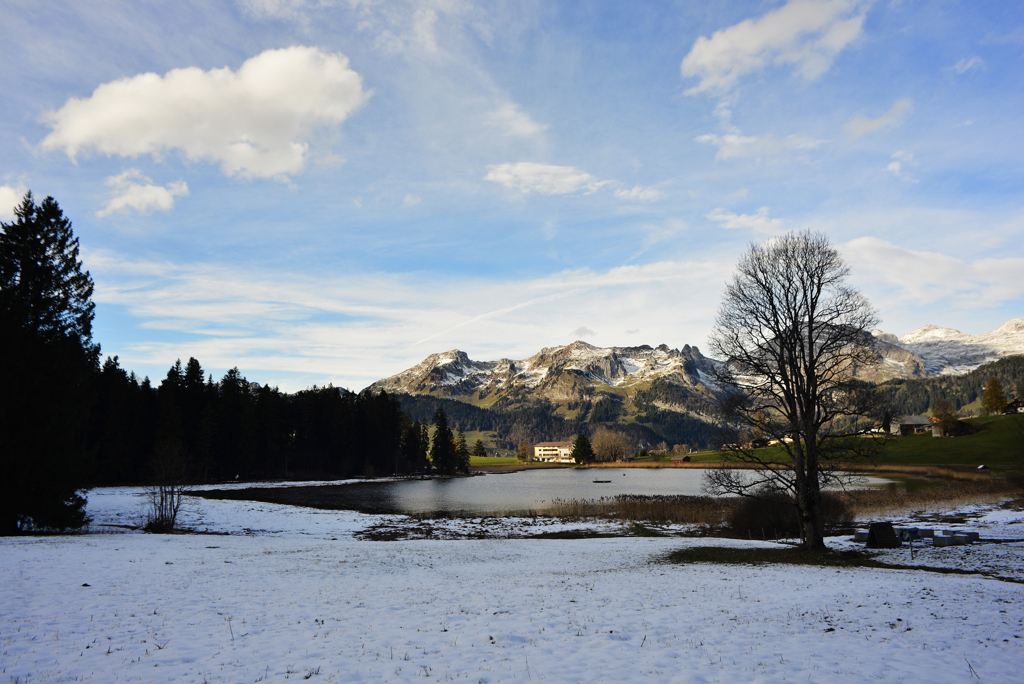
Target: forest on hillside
x,y
918,396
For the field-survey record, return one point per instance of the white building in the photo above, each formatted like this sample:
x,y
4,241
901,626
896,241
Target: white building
x,y
553,452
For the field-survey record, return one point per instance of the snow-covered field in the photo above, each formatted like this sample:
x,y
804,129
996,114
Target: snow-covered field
x,y
295,594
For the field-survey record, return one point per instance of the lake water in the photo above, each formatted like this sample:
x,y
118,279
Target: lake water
x,y
528,490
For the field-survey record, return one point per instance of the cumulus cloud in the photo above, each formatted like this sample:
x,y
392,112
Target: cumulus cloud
x,y
929,277
582,332
132,190
255,121
511,120
893,118
966,64
734,145
10,197
411,200
546,179
639,194
807,34
758,222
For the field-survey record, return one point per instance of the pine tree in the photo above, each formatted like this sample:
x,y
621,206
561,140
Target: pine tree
x,y
994,400
442,449
582,452
461,453
50,362
479,450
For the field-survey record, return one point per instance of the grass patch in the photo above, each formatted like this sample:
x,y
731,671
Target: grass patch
x,y
797,556
484,461
999,442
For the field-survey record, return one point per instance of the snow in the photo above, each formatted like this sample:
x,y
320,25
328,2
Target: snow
x,y
274,593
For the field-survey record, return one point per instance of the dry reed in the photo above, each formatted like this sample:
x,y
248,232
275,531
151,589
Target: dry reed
x,y
699,510
873,503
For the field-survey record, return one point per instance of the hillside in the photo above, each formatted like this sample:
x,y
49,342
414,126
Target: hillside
x,y
916,396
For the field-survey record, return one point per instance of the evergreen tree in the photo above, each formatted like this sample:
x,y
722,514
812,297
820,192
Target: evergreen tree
x,y
461,453
994,399
479,450
582,452
49,362
442,449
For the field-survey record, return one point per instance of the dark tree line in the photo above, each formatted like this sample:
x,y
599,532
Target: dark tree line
x,y
233,428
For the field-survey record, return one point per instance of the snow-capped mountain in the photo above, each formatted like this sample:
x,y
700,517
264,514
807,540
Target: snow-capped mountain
x,y
932,350
559,374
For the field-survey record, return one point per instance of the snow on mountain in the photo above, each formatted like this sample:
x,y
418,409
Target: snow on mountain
x,y
944,351
560,373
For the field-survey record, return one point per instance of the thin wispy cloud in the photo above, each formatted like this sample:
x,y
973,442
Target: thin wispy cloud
x,y
640,194
735,146
359,328
894,118
759,222
512,121
546,179
804,34
967,64
255,121
900,160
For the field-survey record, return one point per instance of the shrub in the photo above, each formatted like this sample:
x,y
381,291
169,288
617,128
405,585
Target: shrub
x,y
773,514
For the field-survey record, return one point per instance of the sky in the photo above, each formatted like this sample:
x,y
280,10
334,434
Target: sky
x,y
328,191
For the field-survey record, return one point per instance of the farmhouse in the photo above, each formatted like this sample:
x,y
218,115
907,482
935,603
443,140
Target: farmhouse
x,y
553,452
910,425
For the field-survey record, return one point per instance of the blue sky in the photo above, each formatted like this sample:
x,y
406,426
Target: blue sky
x,y
327,191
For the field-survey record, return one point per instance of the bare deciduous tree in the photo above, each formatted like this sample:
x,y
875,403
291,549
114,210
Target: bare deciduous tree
x,y
609,445
791,332
170,485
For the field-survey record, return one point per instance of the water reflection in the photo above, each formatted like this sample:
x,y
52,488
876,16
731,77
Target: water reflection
x,y
519,492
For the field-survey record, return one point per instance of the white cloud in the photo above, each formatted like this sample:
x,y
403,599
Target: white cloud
x,y
924,278
511,120
132,190
757,222
966,64
255,121
640,194
10,197
411,200
275,9
891,119
734,145
895,167
543,178
805,33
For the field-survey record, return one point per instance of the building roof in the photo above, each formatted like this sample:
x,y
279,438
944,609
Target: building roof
x,y
913,420
553,444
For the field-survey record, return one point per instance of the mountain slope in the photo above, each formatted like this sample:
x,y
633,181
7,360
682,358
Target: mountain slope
x,y
931,351
566,374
